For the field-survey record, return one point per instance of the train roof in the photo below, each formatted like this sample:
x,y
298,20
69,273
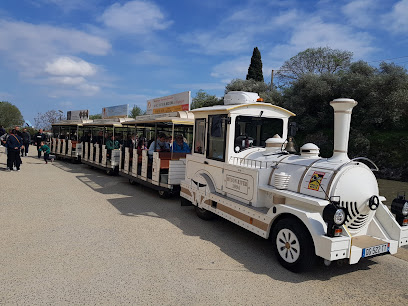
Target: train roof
x,y
180,117
249,108
71,122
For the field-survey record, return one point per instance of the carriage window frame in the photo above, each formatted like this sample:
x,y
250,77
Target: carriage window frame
x,y
210,138
202,132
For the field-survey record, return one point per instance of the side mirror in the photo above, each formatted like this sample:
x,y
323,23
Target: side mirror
x,y
292,129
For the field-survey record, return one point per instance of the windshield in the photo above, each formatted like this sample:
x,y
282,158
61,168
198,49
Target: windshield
x,y
254,131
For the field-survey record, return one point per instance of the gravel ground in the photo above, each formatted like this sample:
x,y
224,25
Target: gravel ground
x,y
73,235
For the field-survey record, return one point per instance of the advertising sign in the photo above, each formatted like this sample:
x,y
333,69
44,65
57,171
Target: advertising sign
x,y
118,111
169,104
78,115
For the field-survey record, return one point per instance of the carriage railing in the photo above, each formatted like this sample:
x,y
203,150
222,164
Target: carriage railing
x,y
251,163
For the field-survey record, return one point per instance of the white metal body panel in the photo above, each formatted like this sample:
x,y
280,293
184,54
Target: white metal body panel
x,y
135,163
69,152
91,153
126,162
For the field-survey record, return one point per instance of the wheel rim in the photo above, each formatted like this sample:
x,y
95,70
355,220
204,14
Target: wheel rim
x,y
161,192
288,245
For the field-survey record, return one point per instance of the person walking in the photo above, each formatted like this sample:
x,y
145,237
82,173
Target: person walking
x,y
26,142
13,144
38,138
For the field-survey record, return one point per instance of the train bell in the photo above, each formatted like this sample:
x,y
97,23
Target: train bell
x,y
290,146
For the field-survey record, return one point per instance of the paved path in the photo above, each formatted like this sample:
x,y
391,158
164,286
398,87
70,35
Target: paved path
x,y
72,235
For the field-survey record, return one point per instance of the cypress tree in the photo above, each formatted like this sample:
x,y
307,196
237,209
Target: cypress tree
x,y
255,68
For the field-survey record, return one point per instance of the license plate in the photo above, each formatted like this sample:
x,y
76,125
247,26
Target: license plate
x,y
375,250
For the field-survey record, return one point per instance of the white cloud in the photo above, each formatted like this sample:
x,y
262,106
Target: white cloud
x,y
236,68
361,13
67,66
136,17
397,20
35,52
44,39
68,80
315,33
152,58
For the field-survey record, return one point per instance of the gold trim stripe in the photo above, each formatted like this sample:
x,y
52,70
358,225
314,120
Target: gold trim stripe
x,y
186,191
259,224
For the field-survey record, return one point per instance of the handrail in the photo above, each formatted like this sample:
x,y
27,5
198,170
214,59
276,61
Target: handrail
x,y
366,159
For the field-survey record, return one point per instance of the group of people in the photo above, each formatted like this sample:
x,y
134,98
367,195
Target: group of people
x,y
17,144
165,144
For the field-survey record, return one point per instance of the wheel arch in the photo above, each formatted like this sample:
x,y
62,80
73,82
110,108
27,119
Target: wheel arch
x,y
312,223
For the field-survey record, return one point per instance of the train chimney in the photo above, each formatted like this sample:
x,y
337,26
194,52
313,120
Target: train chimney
x,y
342,117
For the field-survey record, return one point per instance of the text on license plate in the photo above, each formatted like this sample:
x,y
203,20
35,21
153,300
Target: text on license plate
x,y
374,250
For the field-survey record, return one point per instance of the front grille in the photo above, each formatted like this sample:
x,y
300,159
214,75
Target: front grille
x,y
354,219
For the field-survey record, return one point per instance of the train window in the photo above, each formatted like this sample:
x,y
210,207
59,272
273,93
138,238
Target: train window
x,y
217,129
199,137
254,131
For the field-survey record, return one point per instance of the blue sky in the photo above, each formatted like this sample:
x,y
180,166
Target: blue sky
x,y
76,54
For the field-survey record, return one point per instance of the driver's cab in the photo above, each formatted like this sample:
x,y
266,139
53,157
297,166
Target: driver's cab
x,y
239,127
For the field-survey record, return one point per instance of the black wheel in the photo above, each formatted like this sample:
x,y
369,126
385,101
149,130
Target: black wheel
x,y
132,182
165,194
293,245
185,202
204,214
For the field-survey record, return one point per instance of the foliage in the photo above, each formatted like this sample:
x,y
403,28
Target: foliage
x,y
203,99
10,115
45,121
96,116
255,68
314,61
136,111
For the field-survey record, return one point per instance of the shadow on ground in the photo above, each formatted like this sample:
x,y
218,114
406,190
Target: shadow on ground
x,y
252,251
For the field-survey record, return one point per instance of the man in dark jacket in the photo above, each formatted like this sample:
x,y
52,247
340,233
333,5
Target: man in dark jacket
x,y
13,144
26,142
38,138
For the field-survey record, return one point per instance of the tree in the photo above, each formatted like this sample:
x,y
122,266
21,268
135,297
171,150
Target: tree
x,y
203,99
10,115
45,121
255,68
96,116
314,61
135,111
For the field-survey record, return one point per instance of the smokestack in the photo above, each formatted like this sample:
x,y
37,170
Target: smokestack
x,y
342,117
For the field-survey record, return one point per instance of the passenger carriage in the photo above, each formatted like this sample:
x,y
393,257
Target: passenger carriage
x,y
101,143
66,139
162,170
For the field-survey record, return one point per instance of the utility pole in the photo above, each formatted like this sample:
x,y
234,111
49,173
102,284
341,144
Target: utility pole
x,y
272,79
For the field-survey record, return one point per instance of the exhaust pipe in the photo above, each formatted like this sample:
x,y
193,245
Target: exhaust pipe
x,y
342,117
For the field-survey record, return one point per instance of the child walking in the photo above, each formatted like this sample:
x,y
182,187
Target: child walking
x,y
46,149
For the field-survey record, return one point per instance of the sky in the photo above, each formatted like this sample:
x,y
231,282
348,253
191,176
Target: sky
x,y
75,54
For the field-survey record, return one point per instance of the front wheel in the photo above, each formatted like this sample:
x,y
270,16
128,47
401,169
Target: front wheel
x,y
204,214
293,245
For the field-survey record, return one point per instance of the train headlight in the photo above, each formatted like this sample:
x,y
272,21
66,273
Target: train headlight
x,y
339,217
399,207
405,209
335,217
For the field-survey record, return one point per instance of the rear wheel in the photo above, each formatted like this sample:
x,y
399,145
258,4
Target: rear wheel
x,y
132,182
165,194
204,214
293,245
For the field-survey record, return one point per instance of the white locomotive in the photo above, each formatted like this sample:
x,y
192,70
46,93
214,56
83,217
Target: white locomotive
x,y
307,205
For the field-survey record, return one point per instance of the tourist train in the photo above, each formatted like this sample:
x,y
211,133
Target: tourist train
x,y
241,166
